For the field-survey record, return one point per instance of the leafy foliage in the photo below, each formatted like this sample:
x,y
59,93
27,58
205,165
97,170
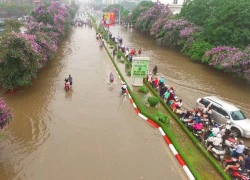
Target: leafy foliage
x,y
141,8
143,89
153,101
177,30
165,14
225,22
23,55
5,114
12,25
197,50
146,20
19,59
162,117
229,59
198,11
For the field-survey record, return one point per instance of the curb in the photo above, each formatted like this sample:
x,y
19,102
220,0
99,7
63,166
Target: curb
x,y
165,137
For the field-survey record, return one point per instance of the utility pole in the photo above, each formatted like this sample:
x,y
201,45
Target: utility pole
x,y
119,18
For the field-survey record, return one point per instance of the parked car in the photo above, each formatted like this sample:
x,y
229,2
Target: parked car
x,y
223,111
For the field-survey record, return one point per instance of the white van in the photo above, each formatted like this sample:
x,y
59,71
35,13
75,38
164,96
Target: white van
x,y
223,111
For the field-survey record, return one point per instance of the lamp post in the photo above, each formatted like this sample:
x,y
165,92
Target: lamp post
x,y
119,17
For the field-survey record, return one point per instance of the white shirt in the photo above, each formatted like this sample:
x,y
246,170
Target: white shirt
x,y
240,148
179,104
215,131
217,141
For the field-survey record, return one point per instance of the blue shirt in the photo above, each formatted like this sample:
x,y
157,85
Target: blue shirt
x,y
162,80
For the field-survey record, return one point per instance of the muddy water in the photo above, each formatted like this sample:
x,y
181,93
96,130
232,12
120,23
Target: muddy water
x,y
191,80
90,132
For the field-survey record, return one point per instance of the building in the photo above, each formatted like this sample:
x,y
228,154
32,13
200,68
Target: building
x,y
174,5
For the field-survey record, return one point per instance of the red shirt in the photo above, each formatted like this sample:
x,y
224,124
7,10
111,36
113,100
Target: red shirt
x,y
156,81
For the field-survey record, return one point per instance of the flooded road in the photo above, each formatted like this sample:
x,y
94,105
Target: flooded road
x,y
89,133
191,80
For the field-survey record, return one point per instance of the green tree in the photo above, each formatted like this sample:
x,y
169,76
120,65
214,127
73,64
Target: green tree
x,y
141,8
225,22
229,24
197,11
12,25
18,61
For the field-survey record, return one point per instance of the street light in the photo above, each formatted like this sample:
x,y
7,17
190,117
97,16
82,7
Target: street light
x,y
119,17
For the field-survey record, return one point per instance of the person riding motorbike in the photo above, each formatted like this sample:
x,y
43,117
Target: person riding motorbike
x,y
197,118
111,77
239,149
124,88
239,163
214,141
215,130
101,45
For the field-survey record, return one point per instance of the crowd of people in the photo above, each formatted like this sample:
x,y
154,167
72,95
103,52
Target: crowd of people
x,y
167,93
128,52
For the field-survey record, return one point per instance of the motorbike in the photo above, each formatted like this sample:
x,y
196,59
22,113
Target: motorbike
x,y
197,133
230,161
124,92
217,151
187,116
111,80
239,173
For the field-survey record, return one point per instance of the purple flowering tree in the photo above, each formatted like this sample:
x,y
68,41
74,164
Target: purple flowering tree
x,y
5,114
19,59
146,20
23,55
42,14
60,15
48,47
229,59
178,32
161,20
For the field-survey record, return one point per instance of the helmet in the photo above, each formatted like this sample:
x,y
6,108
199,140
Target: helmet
x,y
198,114
241,142
216,125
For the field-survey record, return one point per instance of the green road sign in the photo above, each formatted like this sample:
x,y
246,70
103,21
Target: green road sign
x,y
140,67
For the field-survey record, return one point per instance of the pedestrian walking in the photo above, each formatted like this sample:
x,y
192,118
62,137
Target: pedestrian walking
x,y
70,80
155,70
139,51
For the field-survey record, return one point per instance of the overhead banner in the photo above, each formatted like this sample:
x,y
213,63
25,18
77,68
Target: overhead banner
x,y
108,19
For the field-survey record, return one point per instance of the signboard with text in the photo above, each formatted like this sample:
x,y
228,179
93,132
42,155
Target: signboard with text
x,y
108,19
139,70
140,67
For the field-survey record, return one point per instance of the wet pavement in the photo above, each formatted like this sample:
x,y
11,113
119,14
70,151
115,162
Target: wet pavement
x,y
91,132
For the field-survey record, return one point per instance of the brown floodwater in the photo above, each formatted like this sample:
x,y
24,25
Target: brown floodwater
x,y
89,133
190,79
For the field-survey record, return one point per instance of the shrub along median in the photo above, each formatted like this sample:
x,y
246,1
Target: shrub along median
x,y
185,145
